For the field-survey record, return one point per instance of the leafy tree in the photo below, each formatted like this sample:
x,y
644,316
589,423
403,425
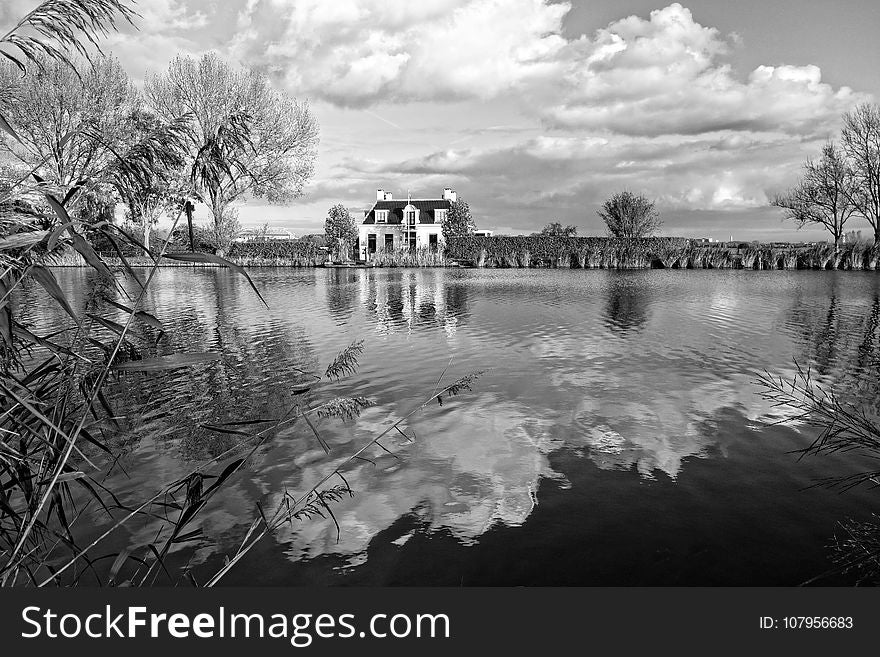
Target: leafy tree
x,y
69,121
341,231
629,215
821,197
458,222
860,142
556,229
154,189
244,138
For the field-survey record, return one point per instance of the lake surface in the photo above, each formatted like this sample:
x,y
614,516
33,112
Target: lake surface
x,y
617,436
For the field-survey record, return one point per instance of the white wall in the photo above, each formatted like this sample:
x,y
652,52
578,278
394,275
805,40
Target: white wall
x,y
380,230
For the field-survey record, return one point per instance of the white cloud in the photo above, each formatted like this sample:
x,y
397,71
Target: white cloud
x,y
359,53
665,75
647,103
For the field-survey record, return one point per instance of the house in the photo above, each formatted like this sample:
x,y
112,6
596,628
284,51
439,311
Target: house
x,y
262,234
413,223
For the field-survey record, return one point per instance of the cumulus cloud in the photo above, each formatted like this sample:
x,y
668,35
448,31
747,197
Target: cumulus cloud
x,y
657,75
355,53
665,75
529,120
647,103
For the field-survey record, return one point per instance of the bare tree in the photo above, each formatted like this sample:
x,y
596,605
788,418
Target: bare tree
x,y
245,137
629,215
822,196
860,141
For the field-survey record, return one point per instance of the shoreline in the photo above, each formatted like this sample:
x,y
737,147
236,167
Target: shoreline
x,y
522,252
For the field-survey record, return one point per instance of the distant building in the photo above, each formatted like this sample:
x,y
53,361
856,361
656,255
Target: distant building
x,y
255,234
412,223
483,233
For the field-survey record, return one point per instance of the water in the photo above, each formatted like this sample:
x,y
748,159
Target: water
x,y
617,436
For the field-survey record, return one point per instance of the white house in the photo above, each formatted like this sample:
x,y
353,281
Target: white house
x,y
254,234
406,223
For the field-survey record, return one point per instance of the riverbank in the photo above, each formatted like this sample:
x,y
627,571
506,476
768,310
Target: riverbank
x,y
570,253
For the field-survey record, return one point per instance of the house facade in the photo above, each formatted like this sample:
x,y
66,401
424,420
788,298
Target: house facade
x,y
405,223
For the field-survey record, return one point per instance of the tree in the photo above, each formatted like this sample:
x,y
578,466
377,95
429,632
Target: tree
x,y
244,138
860,141
458,222
154,189
822,196
556,229
629,215
341,231
68,120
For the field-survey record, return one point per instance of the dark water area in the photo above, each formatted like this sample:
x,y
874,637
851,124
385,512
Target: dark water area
x,y
617,436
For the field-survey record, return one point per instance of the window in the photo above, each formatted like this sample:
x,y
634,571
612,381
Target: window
x,y
440,216
411,217
381,216
389,242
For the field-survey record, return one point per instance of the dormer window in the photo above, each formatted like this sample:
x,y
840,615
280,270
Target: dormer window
x,y
440,216
410,215
381,216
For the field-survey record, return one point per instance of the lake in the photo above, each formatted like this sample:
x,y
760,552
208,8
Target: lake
x,y
617,436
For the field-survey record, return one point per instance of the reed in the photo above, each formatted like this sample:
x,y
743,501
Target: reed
x,y
422,257
659,253
59,433
841,427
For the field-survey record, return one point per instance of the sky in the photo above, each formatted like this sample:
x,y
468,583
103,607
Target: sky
x,y
537,111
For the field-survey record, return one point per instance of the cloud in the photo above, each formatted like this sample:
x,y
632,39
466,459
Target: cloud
x,y
360,53
566,174
495,98
666,75
646,103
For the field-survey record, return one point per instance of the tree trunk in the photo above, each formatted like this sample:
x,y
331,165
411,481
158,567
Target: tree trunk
x,y
147,235
188,208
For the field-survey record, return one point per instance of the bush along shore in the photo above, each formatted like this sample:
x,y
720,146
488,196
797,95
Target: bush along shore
x,y
269,253
655,253
539,251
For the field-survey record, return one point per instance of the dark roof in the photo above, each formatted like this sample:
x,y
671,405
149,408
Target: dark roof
x,y
395,208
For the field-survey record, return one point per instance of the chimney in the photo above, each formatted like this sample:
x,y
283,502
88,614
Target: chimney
x,y
389,196
449,195
380,194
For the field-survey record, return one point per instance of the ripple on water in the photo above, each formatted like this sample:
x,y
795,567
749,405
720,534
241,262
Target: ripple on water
x,y
644,375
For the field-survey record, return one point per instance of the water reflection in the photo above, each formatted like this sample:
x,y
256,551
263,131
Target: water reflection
x,y
408,300
627,301
341,288
638,380
839,337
